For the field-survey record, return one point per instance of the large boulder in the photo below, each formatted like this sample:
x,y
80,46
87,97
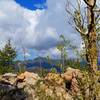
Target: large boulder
x,y
10,92
9,77
27,78
68,75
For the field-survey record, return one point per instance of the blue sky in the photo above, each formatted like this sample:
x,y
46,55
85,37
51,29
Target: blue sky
x,y
31,4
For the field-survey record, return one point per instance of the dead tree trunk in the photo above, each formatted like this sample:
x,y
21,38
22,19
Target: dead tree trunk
x,y
91,37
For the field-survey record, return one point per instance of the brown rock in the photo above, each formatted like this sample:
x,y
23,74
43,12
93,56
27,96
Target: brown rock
x,y
74,84
55,78
27,75
68,74
28,78
9,77
21,76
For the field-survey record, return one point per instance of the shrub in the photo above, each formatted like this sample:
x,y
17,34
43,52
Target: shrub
x,y
53,70
89,87
6,69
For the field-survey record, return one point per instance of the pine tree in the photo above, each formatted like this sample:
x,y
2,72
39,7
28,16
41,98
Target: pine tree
x,y
7,55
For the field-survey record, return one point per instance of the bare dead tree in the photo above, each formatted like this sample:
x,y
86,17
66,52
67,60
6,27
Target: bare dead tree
x,y
85,24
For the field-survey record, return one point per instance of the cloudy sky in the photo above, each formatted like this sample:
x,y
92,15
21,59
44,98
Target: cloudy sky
x,y
35,25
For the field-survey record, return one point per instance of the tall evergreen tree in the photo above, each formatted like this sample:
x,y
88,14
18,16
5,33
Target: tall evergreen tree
x,y
7,54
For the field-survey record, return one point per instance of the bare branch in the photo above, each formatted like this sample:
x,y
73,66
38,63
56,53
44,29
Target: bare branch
x,y
80,31
92,6
94,3
77,17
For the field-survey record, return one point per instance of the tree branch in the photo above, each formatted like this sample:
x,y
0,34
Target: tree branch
x,y
92,6
80,31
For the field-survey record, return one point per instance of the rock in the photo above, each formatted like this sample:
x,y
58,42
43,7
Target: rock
x,y
26,74
30,78
43,86
21,77
68,97
0,77
21,85
74,84
68,74
27,78
55,78
70,77
6,86
9,77
30,92
30,74
14,94
59,91
49,92
35,88
10,92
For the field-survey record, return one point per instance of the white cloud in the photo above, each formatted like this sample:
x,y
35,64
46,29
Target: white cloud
x,y
52,53
27,54
37,29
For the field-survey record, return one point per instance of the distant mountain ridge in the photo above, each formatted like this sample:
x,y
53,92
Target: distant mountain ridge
x,y
42,63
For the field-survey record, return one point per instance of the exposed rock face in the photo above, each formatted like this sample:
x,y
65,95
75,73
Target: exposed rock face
x,y
29,86
48,90
9,77
28,78
10,92
19,86
68,75
55,78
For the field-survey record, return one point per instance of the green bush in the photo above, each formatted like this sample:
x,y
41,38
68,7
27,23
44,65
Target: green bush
x,y
89,87
53,70
6,69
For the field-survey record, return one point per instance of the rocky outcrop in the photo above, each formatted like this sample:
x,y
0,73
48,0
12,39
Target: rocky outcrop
x,y
27,78
68,75
32,87
55,78
9,77
19,86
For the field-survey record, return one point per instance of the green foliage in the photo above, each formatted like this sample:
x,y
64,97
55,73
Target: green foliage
x,y
6,69
62,47
89,87
53,70
42,72
41,92
49,60
75,63
7,56
21,68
